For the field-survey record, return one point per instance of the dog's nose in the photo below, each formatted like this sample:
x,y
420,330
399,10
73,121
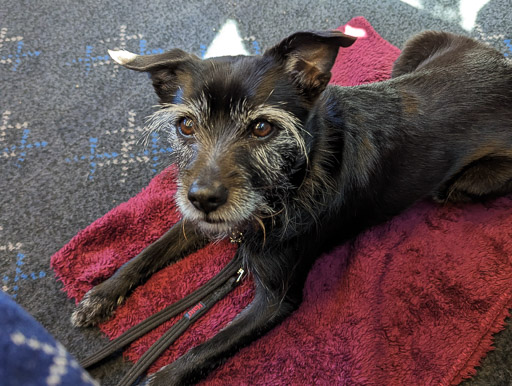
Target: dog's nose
x,y
207,197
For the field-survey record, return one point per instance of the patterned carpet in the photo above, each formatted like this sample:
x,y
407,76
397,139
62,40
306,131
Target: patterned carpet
x,y
71,119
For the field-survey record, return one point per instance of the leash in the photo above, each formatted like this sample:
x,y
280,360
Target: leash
x,y
197,303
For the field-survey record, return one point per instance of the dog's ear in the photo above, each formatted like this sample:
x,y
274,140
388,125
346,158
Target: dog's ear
x,y
168,70
309,56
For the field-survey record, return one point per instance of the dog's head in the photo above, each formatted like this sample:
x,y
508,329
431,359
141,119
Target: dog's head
x,y
238,125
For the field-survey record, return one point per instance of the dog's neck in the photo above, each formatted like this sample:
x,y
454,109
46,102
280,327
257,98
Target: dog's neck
x,y
348,127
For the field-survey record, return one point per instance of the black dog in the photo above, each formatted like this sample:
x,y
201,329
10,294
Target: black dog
x,y
264,147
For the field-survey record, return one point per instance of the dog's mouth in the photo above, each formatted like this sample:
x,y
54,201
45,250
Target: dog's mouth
x,y
217,224
210,220
217,228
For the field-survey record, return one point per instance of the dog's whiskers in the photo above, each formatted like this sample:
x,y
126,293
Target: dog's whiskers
x,y
262,226
183,229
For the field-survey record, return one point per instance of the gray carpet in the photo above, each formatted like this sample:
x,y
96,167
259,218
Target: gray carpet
x,y
71,119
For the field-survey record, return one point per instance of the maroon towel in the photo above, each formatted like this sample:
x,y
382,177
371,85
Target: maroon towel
x,y
413,301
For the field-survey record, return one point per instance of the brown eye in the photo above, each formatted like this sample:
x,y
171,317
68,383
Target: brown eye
x,y
261,129
186,127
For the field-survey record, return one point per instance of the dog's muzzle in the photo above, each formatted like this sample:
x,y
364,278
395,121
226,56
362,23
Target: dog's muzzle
x,y
207,195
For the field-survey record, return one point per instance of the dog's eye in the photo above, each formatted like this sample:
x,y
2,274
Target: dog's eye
x,y
186,127
261,129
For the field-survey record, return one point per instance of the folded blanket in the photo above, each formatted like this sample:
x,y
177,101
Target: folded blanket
x,y
413,301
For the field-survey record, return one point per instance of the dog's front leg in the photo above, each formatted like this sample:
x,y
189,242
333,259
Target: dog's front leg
x,y
273,301
99,303
259,317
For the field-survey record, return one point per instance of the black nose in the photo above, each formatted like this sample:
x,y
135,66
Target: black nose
x,y
207,196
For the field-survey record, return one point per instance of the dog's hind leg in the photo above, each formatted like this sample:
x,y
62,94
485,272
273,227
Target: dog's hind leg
x,y
100,302
485,178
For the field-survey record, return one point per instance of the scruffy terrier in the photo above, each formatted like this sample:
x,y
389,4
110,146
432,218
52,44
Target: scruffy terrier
x,y
266,148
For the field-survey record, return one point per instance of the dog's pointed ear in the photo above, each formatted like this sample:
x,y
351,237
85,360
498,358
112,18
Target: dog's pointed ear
x,y
167,70
149,63
309,56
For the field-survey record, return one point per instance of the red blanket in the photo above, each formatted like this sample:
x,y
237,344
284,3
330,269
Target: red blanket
x,y
413,301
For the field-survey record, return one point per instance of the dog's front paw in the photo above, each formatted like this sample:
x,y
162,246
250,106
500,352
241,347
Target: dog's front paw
x,y
95,307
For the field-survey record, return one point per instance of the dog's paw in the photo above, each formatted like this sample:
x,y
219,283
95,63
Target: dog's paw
x,y
95,307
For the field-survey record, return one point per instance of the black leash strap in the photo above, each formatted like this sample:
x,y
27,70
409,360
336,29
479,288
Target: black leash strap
x,y
201,299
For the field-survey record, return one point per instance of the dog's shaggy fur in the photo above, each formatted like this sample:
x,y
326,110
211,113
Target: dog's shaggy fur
x,y
266,148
